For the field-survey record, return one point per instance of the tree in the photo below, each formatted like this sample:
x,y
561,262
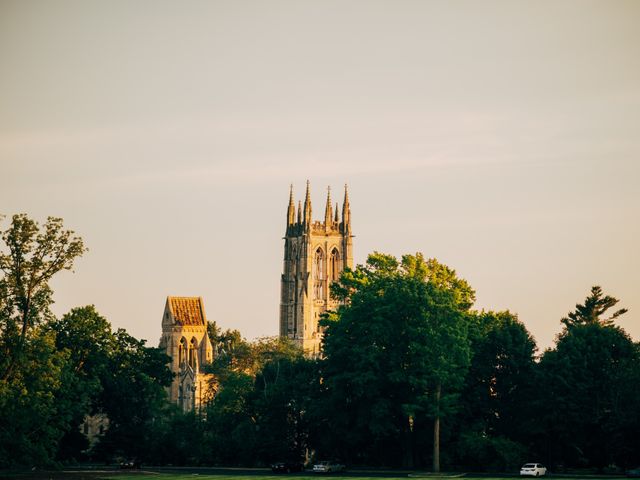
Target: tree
x,y
232,352
33,372
284,393
86,339
591,375
395,352
589,313
133,396
495,417
254,385
34,255
32,421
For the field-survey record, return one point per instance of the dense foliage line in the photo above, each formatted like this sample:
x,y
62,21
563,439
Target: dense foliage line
x,y
410,376
53,373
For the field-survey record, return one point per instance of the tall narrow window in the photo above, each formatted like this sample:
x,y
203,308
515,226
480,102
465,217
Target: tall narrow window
x,y
318,275
193,350
182,352
334,266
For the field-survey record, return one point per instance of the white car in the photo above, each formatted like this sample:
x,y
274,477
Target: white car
x,y
328,467
533,469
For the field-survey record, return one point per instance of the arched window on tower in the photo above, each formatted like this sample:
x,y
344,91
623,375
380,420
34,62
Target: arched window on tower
x,y
334,265
318,275
193,351
182,352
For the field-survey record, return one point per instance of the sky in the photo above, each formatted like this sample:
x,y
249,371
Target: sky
x,y
500,137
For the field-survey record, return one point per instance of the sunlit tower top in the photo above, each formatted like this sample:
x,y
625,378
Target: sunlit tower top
x,y
315,253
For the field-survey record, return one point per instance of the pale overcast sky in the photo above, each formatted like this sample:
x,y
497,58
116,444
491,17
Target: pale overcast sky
x,y
501,137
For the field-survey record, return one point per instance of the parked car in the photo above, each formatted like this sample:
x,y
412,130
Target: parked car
x,y
327,466
130,464
287,467
533,469
633,473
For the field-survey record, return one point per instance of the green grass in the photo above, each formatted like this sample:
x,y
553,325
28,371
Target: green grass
x,y
193,476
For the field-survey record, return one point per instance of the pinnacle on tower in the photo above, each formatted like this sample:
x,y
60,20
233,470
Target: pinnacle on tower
x,y
335,219
346,211
328,213
307,208
299,212
291,210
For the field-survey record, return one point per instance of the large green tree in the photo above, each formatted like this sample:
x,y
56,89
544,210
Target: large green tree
x,y
133,396
32,420
396,353
32,255
33,371
590,406
86,340
252,416
286,388
495,415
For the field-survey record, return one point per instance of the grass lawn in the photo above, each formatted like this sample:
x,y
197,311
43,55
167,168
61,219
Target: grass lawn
x,y
173,476
193,476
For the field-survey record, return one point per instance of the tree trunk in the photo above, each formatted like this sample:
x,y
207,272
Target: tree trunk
x,y
436,432
407,441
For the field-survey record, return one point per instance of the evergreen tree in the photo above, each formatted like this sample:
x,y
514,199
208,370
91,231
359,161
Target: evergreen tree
x,y
590,403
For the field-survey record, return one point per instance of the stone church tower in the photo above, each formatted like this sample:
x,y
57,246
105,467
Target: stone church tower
x,y
185,340
315,253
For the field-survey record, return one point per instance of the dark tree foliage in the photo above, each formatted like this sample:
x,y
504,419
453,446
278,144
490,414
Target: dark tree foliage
x,y
591,402
32,420
33,255
406,366
495,415
34,409
590,409
286,390
258,414
395,357
85,338
133,396
591,311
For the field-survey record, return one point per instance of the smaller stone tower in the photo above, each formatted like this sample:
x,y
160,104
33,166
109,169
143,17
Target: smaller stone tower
x,y
315,253
185,339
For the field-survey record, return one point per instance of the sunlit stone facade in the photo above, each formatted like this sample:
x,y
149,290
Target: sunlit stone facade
x,y
315,253
185,340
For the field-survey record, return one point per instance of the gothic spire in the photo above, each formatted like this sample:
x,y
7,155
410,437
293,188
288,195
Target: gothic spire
x,y
307,208
299,212
291,210
335,219
328,210
346,211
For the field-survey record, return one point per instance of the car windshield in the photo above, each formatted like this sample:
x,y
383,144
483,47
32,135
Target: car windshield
x,y
529,465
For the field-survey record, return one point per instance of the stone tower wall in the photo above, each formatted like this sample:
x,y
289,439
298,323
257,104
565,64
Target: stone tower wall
x,y
303,298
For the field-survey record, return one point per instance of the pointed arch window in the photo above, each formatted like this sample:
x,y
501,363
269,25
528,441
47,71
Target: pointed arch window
x,y
318,275
193,351
182,352
334,265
